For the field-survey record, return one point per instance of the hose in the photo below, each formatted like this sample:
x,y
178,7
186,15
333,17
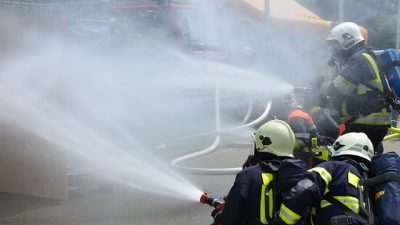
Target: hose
x,y
214,145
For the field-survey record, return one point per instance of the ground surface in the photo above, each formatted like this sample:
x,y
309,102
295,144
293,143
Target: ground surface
x,y
127,206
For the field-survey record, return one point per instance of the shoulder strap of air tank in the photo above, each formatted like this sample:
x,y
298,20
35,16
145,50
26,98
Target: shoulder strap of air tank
x,y
347,210
364,203
269,166
389,176
386,93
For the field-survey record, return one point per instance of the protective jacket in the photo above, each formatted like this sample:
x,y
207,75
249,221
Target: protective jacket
x,y
332,179
254,197
357,91
247,201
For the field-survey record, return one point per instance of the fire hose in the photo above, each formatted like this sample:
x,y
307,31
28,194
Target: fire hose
x,y
214,145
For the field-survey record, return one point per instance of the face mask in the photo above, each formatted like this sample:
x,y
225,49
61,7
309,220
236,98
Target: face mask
x,y
337,53
334,48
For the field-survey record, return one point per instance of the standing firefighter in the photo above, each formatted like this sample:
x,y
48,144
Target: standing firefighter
x,y
333,188
358,88
254,197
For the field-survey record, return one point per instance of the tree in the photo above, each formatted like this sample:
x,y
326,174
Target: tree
x,y
379,17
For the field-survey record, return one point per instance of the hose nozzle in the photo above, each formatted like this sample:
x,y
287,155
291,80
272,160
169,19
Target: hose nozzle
x,y
211,201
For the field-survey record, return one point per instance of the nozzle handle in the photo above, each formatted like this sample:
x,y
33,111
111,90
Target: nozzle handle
x,y
211,201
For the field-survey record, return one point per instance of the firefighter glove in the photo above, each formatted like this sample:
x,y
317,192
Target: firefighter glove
x,y
216,215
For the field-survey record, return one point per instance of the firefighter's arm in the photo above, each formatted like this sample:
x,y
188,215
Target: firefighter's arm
x,y
307,193
233,212
300,130
299,198
357,72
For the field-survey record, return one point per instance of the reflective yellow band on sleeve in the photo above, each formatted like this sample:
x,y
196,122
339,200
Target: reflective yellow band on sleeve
x,y
380,118
287,215
343,85
324,174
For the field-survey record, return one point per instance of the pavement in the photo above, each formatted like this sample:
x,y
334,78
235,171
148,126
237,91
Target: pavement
x,y
123,205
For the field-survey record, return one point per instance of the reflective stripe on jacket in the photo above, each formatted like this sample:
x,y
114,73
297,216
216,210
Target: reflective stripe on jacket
x,y
349,85
337,179
251,198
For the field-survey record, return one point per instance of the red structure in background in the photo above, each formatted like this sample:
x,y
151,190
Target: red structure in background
x,y
182,23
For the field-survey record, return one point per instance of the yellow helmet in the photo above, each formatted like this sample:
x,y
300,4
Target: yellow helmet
x,y
275,137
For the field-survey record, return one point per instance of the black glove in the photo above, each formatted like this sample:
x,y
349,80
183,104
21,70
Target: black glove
x,y
278,221
216,215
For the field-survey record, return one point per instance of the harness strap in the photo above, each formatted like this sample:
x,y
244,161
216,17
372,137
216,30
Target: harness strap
x,y
347,210
391,64
389,176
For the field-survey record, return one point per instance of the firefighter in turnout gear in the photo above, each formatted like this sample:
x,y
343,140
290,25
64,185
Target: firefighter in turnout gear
x,y
358,89
253,198
332,189
302,125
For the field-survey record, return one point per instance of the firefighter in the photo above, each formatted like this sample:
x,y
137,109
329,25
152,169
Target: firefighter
x,y
251,198
289,110
327,125
325,117
358,88
302,125
332,189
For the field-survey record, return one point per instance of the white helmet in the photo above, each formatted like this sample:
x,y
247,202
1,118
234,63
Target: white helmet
x,y
275,137
347,34
353,144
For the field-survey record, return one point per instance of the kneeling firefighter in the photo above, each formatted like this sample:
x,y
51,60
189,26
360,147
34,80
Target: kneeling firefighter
x,y
304,130
254,196
333,189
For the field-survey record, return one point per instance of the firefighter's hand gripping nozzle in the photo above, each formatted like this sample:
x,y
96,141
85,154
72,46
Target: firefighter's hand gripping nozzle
x,y
212,201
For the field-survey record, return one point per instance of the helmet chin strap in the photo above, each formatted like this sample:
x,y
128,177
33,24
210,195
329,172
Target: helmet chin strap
x,y
341,56
346,54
